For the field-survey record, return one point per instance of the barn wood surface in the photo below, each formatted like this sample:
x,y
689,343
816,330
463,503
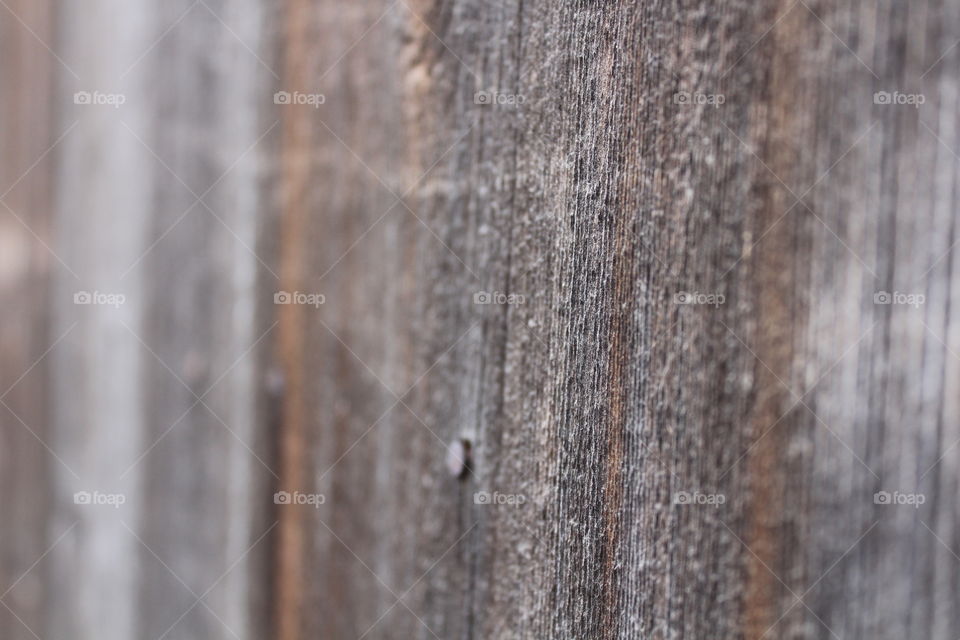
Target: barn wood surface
x,y
680,276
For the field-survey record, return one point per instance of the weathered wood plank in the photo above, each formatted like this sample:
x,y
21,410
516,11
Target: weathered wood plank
x,y
599,399
26,269
160,399
210,128
578,166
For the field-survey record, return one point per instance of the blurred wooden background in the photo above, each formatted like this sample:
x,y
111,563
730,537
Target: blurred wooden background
x,y
788,161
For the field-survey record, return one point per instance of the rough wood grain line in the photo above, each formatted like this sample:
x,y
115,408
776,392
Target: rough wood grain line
x,y
611,194
26,270
774,324
295,160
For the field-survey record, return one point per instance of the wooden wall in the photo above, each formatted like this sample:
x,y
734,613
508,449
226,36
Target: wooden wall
x,y
500,206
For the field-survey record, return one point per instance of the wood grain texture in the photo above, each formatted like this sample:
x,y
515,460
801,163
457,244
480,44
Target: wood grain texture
x,y
680,275
598,199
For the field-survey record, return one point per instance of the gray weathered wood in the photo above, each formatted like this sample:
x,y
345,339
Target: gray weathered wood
x,y
173,423
599,399
623,153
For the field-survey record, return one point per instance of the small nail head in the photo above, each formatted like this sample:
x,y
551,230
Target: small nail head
x,y
458,457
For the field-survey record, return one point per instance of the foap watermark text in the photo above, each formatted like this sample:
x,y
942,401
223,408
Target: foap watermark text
x,y
97,499
897,98
698,498
496,297
685,98
298,497
695,297
299,98
900,298
99,98
497,498
99,298
498,98
896,498
298,297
